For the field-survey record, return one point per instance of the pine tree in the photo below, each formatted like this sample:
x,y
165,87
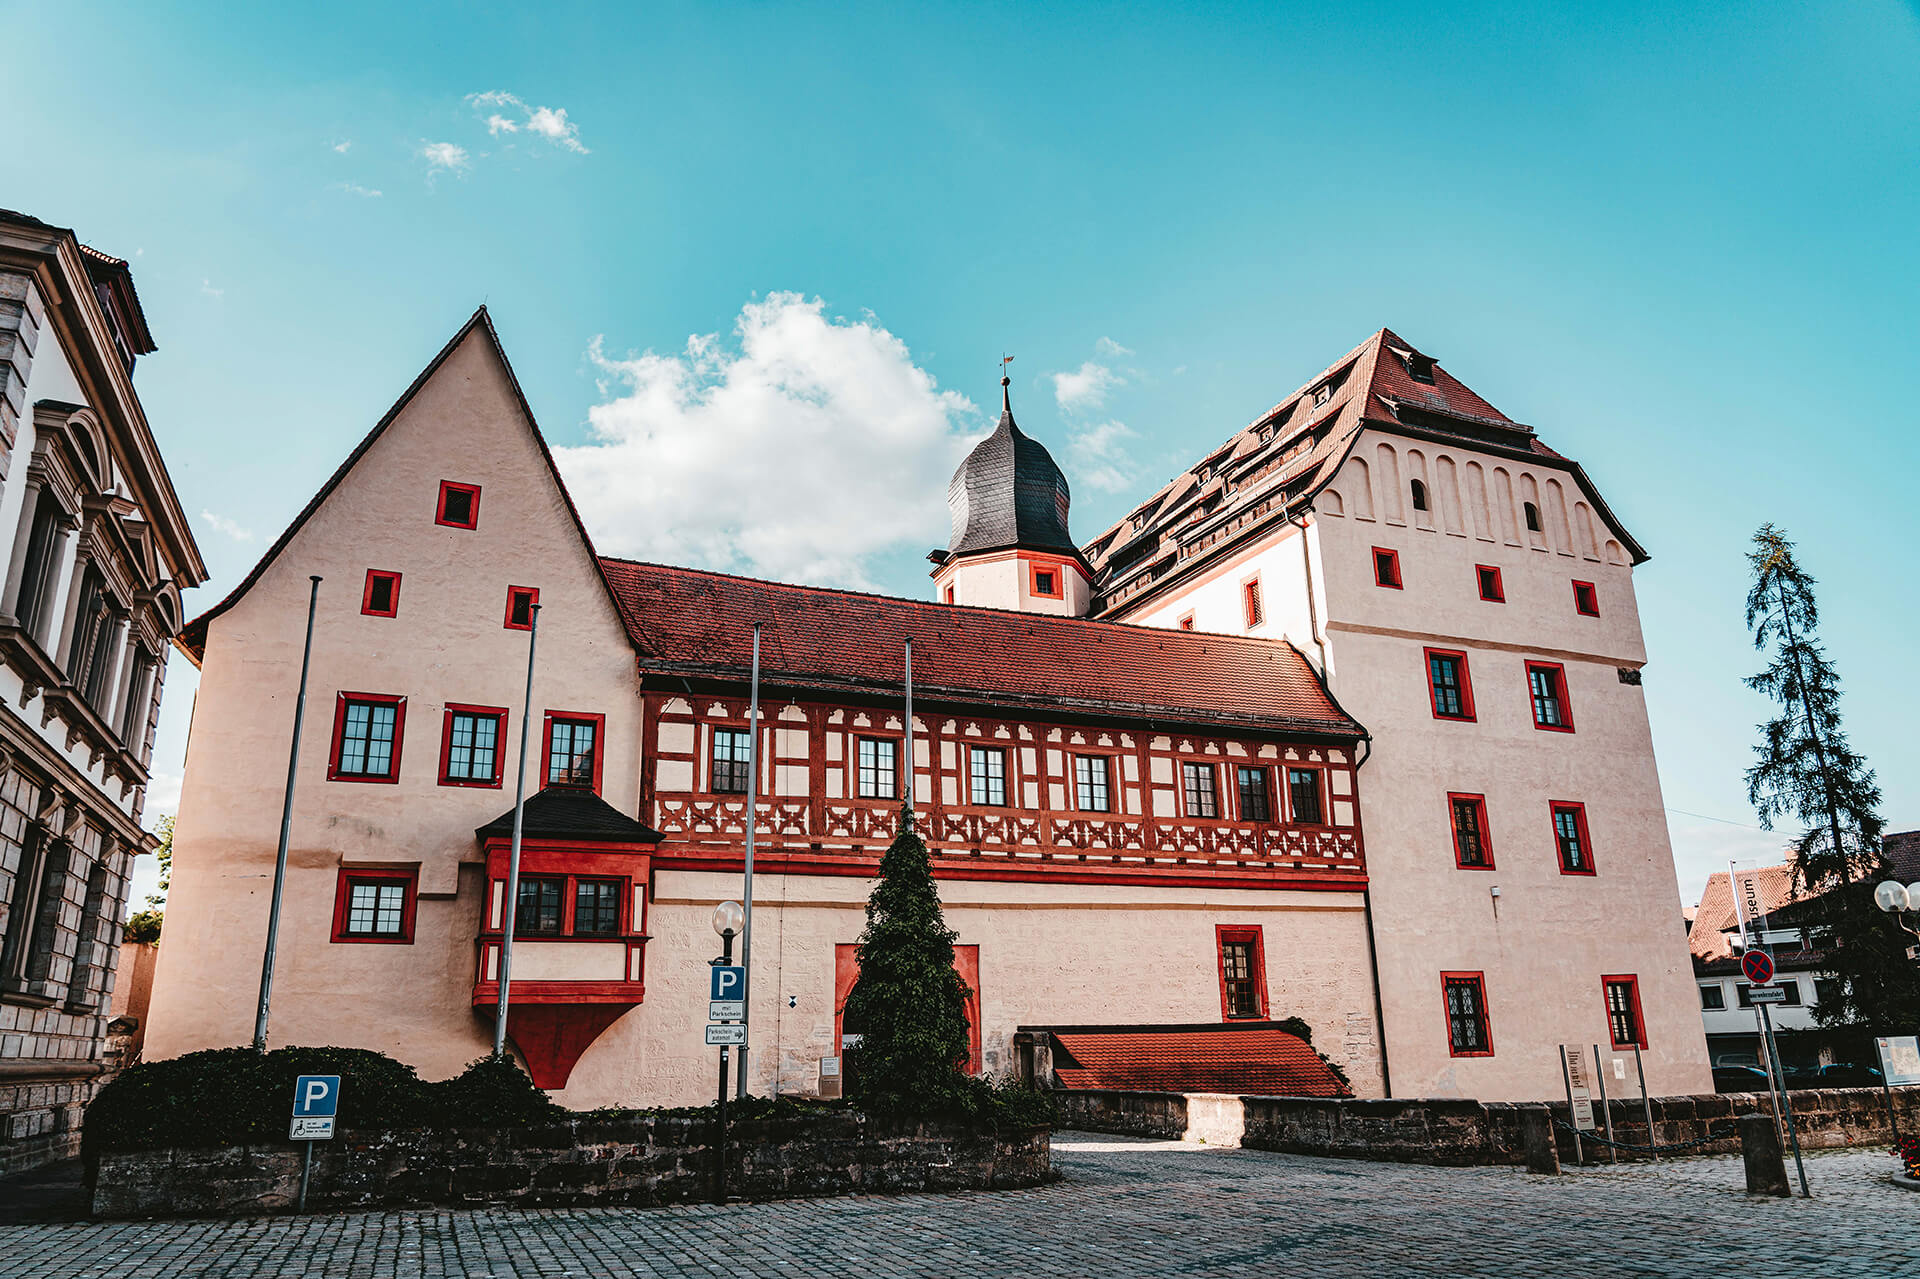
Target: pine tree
x,y
908,1005
1807,771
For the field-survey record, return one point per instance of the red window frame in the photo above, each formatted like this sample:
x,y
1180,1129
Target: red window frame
x,y
1223,934
532,594
1467,714
1035,569
393,593
1386,569
599,723
473,507
396,700
949,595
1494,591
1566,702
1579,811
1586,601
1479,981
1479,803
408,876
1632,982
1186,621
1251,602
499,714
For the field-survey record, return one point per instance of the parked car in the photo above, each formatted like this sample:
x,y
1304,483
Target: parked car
x,y
1848,1075
1739,1079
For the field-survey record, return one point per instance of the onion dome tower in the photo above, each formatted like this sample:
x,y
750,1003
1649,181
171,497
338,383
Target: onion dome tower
x,y
1010,546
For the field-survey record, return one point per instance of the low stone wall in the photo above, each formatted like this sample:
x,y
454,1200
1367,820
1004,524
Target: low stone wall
x,y
637,1160
1458,1132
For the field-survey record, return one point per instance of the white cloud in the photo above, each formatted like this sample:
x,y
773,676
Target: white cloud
x,y
1085,389
1111,349
354,188
796,448
206,288
550,123
1099,455
226,527
444,157
344,146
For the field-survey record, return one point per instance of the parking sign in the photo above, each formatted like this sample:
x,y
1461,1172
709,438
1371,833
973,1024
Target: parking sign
x,y
729,981
316,1103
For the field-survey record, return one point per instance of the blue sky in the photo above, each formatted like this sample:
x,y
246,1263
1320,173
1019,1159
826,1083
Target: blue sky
x,y
1677,241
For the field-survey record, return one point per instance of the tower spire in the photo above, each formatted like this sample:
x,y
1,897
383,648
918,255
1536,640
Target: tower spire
x,y
1006,402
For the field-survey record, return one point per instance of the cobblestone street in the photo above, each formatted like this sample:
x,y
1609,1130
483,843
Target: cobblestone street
x,y
1125,1207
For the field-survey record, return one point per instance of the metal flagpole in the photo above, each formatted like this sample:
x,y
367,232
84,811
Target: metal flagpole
x,y
513,858
753,821
908,735
286,829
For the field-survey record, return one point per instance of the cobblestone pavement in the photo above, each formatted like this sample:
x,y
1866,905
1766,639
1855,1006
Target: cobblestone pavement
x,y
1125,1208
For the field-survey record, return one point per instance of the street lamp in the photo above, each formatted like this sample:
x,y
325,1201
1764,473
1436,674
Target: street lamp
x,y
1901,901
728,916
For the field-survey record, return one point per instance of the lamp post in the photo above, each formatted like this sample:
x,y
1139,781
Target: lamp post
x,y
1902,901
727,920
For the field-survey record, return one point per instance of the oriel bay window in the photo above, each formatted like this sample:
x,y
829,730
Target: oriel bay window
x,y
1472,850
1092,784
1449,685
1250,783
538,911
374,905
573,749
1468,1034
987,777
596,907
1547,683
1303,794
367,730
878,764
1243,972
470,749
1570,839
731,748
1202,794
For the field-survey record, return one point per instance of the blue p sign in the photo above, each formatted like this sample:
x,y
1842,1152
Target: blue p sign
x,y
316,1097
728,982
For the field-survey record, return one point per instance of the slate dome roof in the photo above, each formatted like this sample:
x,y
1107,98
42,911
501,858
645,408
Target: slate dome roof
x,y
1009,492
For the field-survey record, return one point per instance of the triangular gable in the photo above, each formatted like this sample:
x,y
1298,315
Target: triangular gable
x,y
192,639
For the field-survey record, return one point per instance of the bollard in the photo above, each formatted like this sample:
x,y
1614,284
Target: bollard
x,y
1766,1162
1537,1140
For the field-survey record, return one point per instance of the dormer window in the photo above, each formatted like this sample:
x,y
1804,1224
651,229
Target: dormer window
x,y
1322,393
1420,367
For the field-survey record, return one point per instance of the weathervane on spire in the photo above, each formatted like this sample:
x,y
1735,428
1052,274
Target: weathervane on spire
x,y
1006,405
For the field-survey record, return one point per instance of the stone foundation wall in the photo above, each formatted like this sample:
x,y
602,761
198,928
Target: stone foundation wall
x,y
641,1160
1456,1132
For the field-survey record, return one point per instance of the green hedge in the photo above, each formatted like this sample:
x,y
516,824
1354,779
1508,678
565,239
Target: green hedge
x,y
237,1097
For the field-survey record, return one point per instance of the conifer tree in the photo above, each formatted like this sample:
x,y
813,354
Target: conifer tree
x,y
1807,771
908,1005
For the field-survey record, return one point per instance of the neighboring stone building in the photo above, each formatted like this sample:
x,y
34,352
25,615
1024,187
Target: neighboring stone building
x,y
1137,828
1469,597
99,552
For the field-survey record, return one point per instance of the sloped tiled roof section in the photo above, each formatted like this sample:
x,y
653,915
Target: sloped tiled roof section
x,y
1709,939
1255,1059
570,812
1903,850
1009,492
689,622
1287,454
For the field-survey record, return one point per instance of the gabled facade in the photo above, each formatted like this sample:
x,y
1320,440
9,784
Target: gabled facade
x,y
1126,824
97,552
1468,595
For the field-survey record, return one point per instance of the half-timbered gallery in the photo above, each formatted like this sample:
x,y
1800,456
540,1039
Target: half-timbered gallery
x,y
1146,785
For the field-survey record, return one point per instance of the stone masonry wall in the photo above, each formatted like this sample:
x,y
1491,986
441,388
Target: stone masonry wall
x,y
640,1160
1456,1132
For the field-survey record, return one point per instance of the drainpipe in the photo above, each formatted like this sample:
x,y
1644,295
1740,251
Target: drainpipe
x,y
1373,954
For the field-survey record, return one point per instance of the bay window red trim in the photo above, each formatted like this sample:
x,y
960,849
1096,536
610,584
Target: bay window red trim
x,y
499,713
393,593
1222,935
473,505
409,876
396,700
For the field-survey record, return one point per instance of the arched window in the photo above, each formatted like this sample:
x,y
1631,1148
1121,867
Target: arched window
x,y
1533,517
1419,495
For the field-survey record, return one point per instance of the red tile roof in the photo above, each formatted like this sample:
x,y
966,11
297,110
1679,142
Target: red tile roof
x,y
1903,850
1708,938
685,621
1254,1059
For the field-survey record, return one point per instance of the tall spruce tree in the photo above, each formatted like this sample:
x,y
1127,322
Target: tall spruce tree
x,y
1807,771
908,1005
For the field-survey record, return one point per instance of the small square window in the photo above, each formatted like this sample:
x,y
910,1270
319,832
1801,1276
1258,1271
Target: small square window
x,y
1492,589
1713,997
459,505
521,601
1322,393
1585,601
1186,621
1386,568
374,905
381,598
